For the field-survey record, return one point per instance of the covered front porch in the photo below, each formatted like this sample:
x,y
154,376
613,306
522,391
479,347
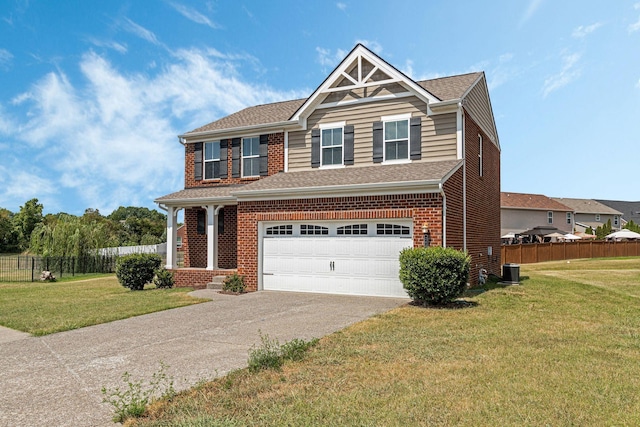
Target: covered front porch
x,y
209,243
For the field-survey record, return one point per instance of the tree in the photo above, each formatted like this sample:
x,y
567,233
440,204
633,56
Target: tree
x,y
25,221
632,226
604,230
139,226
8,236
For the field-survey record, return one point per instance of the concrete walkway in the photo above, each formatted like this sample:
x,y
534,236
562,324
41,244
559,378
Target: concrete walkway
x,y
56,380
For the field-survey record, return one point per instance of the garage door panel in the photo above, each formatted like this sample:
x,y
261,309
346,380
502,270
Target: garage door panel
x,y
361,265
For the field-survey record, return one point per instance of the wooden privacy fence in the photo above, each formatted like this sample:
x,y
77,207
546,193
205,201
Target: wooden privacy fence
x,y
541,252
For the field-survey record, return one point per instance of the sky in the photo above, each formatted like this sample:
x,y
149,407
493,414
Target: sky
x,y
94,93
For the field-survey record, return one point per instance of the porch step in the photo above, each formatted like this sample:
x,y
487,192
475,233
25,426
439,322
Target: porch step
x,y
216,282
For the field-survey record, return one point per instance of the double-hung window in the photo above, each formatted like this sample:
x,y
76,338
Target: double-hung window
x,y
251,156
212,160
396,139
331,144
550,217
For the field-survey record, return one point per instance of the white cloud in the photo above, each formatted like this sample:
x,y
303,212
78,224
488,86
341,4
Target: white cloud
x,y
5,58
568,74
408,68
118,47
582,31
111,138
371,45
193,15
329,59
638,84
140,31
634,27
341,6
530,11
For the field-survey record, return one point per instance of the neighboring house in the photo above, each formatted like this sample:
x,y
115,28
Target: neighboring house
x,y
589,213
630,211
321,194
520,212
180,234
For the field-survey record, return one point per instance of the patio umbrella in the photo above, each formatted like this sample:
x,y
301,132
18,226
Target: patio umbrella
x,y
623,234
509,235
555,234
541,230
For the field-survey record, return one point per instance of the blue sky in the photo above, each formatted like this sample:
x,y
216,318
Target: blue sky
x,y
93,94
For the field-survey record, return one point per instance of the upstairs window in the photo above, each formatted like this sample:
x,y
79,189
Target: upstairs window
x,y
568,217
615,220
251,156
331,146
396,140
212,160
550,217
598,217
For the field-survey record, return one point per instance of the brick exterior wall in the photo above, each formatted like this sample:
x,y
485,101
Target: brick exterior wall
x,y
197,278
195,245
227,241
483,201
453,192
275,154
419,207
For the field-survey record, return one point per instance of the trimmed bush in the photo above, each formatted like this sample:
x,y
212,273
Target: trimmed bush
x,y
434,275
136,270
234,283
163,279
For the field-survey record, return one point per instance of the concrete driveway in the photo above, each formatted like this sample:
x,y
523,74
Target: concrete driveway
x,y
56,380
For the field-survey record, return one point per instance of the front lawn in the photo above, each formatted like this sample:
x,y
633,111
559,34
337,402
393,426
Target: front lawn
x,y
562,349
44,308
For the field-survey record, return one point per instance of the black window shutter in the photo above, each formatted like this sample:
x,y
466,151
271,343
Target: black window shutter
x,y
348,145
315,148
221,221
223,159
415,131
235,157
264,155
378,148
201,226
197,166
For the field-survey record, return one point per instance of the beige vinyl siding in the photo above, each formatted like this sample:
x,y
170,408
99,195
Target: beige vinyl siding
x,y
438,132
479,107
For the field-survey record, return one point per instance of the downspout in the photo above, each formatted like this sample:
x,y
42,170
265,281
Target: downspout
x,y
444,215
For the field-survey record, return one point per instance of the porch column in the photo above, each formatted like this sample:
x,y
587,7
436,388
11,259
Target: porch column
x,y
172,233
211,237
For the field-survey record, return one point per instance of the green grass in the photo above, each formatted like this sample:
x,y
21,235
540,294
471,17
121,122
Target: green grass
x,y
562,349
44,308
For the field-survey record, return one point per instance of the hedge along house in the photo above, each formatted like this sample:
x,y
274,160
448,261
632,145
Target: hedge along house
x,y
321,194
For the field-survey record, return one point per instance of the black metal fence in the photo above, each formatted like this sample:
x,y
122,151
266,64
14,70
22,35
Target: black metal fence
x,y
19,268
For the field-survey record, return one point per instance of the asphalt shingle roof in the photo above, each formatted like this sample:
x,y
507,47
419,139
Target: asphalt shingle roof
x,y
213,192
587,206
444,88
353,176
531,201
630,210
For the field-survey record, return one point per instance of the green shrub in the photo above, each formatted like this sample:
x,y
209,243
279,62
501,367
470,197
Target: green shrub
x,y
136,270
234,283
163,279
272,355
434,275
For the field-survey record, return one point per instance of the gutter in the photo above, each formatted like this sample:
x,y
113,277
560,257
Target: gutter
x,y
358,188
193,202
244,129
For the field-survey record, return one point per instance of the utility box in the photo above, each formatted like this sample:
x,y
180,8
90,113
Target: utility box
x,y
511,274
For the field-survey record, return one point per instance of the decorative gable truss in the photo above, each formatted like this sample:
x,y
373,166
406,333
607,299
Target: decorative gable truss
x,y
361,77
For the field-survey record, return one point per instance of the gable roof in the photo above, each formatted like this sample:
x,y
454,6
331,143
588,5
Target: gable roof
x,y
291,112
630,210
587,206
531,201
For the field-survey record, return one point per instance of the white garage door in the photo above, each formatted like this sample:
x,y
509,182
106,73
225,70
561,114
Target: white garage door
x,y
338,258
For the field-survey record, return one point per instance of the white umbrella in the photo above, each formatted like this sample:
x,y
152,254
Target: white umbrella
x,y
623,234
509,235
570,236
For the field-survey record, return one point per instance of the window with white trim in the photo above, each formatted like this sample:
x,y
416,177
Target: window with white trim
x,y
280,230
396,140
392,230
550,217
568,217
615,220
354,229
313,230
331,146
212,160
598,217
251,156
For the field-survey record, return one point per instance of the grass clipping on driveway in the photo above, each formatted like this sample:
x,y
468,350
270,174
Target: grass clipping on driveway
x,y
561,349
44,308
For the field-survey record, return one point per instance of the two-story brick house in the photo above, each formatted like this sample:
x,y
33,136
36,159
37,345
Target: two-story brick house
x,y
320,194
